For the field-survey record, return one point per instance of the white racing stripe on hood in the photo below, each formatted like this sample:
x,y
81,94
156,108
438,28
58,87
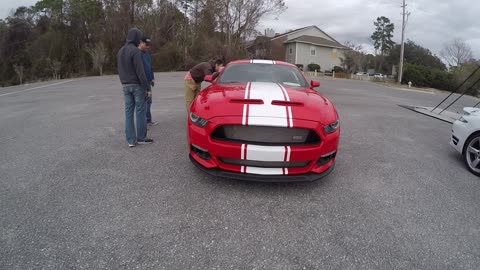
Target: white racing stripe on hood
x,y
289,108
266,114
261,61
245,106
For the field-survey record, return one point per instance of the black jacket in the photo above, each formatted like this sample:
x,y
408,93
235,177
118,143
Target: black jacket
x,y
130,61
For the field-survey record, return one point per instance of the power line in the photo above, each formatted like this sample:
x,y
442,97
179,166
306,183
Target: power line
x,y
458,87
466,91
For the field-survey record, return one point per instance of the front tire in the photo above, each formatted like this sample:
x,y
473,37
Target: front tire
x,y
471,153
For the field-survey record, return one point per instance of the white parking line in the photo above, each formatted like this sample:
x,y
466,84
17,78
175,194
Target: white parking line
x,y
30,89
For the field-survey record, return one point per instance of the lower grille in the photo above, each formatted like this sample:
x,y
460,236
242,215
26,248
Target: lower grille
x,y
264,164
263,135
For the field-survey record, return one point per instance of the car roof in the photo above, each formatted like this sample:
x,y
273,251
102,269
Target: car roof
x,y
261,61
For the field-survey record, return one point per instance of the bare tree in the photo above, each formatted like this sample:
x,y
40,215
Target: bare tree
x,y
354,57
240,17
19,70
99,56
55,67
456,52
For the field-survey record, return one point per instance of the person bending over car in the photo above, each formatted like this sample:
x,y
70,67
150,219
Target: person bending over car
x,y
194,79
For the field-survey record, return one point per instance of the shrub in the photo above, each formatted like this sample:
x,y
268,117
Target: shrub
x,y
300,66
338,69
313,67
422,76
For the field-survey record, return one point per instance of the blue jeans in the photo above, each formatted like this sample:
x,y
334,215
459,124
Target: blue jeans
x,y
149,105
135,101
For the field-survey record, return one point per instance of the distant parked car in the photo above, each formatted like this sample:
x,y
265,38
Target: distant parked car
x,y
466,138
378,75
361,73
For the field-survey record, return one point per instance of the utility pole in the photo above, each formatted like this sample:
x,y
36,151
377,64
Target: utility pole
x,y
402,47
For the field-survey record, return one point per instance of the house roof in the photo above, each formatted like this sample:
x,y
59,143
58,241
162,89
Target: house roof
x,y
305,28
289,32
316,41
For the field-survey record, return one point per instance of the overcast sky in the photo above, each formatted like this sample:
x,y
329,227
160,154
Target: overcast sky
x,y
431,23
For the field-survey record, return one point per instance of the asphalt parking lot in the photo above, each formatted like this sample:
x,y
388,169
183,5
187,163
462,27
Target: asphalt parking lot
x,y
74,196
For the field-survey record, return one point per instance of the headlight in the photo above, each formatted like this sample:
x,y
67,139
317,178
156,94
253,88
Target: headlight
x,y
463,120
332,127
197,120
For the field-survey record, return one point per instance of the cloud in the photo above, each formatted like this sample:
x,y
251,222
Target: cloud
x,y
431,23
9,6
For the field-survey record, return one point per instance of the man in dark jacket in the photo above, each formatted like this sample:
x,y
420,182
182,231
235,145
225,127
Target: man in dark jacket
x,y
194,78
144,46
135,87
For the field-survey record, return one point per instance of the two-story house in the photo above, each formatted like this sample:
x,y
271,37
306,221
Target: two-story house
x,y
307,45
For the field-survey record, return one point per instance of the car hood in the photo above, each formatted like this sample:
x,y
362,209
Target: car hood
x,y
264,100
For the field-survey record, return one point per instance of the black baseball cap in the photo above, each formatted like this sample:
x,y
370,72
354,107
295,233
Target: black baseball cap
x,y
146,40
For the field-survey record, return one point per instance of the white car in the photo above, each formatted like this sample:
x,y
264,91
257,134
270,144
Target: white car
x,y
466,138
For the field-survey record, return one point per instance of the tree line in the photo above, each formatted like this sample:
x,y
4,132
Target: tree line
x,y
56,39
421,66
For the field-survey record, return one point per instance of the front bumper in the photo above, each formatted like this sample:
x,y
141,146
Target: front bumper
x,y
460,133
253,162
308,177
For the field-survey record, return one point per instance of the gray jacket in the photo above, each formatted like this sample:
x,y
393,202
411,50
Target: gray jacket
x,y
130,61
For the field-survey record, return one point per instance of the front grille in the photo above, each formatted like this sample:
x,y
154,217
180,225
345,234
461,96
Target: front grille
x,y
263,135
264,164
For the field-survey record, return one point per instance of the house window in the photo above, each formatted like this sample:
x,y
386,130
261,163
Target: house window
x,y
313,51
334,53
290,51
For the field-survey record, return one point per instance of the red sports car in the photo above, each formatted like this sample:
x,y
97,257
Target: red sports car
x,y
261,120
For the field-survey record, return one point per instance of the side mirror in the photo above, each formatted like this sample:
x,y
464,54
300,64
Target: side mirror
x,y
314,83
208,78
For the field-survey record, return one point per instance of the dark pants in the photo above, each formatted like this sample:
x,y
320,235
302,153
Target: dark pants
x,y
149,105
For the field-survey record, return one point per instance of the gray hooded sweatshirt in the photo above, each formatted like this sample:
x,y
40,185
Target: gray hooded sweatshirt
x,y
130,61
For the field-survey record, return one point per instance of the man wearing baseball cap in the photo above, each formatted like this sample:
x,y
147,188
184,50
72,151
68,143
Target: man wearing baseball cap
x,y
144,46
135,85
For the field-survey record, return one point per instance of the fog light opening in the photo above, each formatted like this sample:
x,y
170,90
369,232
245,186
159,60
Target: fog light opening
x,y
326,158
200,152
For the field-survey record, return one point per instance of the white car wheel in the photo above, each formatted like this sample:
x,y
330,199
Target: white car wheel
x,y
471,153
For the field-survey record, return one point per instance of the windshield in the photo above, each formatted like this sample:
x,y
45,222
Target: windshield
x,y
286,75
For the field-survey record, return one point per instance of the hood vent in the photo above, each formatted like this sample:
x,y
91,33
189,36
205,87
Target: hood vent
x,y
286,103
247,101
